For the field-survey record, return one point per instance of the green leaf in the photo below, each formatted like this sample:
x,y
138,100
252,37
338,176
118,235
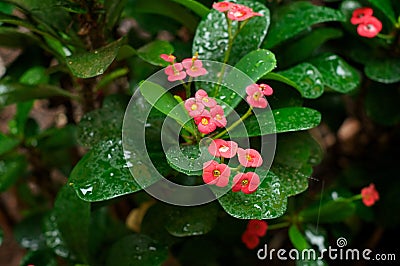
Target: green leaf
x,y
151,52
7,143
297,238
165,102
113,10
190,221
195,6
12,37
257,63
304,48
11,169
136,250
188,159
10,19
103,173
385,71
72,216
304,14
29,233
16,92
54,239
93,63
34,76
306,79
40,257
17,124
1,236
337,74
386,7
211,38
283,120
330,212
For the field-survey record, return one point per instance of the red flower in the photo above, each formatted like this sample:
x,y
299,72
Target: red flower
x,y
250,240
266,89
175,72
222,148
217,113
205,123
168,58
194,67
255,97
202,96
360,15
369,195
216,174
249,157
241,12
223,6
257,227
370,27
194,107
246,182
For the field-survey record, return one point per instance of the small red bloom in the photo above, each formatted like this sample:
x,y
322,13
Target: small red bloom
x,y
370,27
194,67
194,107
257,227
255,97
369,195
246,182
266,89
360,14
217,113
241,12
250,240
222,148
223,6
216,174
175,72
202,96
168,58
249,157
205,123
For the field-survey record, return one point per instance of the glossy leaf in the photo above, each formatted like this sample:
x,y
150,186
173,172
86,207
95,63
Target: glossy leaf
x,y
337,74
72,216
304,14
330,212
29,233
385,71
41,257
297,238
283,120
136,250
190,221
103,173
195,6
211,38
386,7
306,79
16,92
7,143
54,239
11,169
151,52
93,63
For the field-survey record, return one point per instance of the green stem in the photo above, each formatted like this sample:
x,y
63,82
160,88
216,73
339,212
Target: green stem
x,y
385,36
278,226
247,114
355,197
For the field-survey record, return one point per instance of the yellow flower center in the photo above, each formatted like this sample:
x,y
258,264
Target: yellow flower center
x,y
238,14
218,117
223,148
204,121
245,182
216,173
257,95
194,107
249,158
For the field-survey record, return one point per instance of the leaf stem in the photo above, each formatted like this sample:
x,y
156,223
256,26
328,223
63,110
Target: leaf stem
x,y
247,114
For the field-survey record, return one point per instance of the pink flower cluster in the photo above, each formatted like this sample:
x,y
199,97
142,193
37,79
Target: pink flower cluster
x,y
368,25
178,71
369,195
206,120
256,95
254,230
235,11
219,174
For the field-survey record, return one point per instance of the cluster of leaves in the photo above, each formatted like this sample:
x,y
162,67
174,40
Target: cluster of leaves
x,y
75,52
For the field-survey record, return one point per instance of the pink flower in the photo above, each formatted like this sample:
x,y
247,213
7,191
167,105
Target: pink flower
x,y
223,6
168,58
241,12
194,67
216,174
202,96
370,27
175,72
266,89
246,182
360,14
255,97
194,107
257,227
249,157
217,113
250,240
222,148
205,123
369,195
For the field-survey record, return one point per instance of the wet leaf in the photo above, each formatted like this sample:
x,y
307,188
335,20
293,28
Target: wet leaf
x,y
136,250
385,71
41,257
151,52
29,234
11,169
257,63
337,74
195,6
54,239
296,17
